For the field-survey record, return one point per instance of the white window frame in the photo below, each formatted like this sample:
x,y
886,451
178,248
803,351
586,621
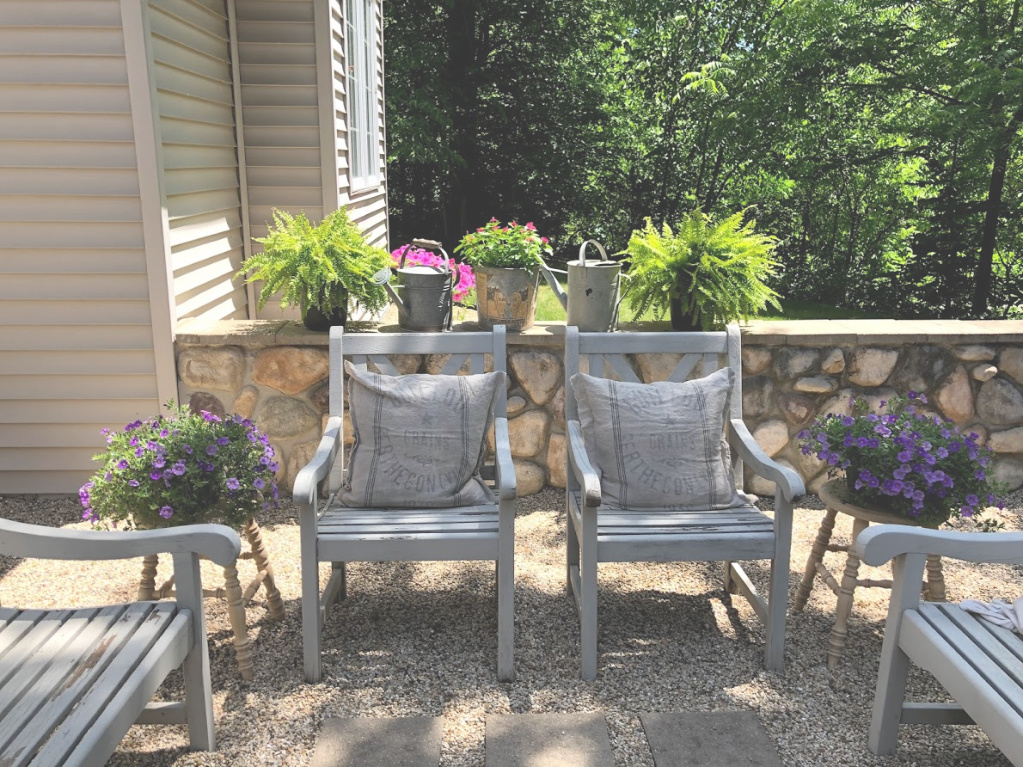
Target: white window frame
x,y
363,123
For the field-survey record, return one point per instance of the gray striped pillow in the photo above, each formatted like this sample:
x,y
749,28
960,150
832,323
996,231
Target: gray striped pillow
x,y
419,439
659,445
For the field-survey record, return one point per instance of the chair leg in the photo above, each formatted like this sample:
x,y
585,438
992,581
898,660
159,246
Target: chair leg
x,y
587,596
312,617
505,621
778,590
572,543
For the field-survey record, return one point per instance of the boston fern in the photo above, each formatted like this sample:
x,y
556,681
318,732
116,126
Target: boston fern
x,y
321,266
717,270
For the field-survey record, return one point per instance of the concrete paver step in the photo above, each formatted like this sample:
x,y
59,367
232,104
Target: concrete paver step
x,y
364,741
548,740
709,739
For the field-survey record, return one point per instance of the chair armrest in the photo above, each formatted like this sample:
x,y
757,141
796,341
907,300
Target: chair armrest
x,y
788,481
580,464
312,473
504,466
216,542
877,544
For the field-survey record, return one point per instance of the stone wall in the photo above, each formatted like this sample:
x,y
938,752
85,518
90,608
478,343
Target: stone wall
x,y
972,372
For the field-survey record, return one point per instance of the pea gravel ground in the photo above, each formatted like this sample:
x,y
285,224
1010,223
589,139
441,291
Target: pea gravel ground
x,y
417,639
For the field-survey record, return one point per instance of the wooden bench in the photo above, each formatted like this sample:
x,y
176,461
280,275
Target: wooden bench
x,y
72,682
979,664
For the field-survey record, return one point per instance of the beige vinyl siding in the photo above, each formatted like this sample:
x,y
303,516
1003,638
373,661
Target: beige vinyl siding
x,y
195,99
367,206
280,124
76,342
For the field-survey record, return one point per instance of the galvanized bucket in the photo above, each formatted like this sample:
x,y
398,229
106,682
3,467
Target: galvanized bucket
x,y
591,301
423,296
506,297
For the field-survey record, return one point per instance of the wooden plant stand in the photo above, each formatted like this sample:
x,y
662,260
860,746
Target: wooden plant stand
x,y
232,592
835,498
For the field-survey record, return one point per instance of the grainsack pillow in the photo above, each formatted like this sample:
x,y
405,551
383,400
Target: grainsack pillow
x,y
659,445
419,439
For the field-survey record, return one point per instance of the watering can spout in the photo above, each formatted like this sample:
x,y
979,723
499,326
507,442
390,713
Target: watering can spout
x,y
559,292
393,294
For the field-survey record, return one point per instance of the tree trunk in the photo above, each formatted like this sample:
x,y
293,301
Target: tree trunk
x,y
992,213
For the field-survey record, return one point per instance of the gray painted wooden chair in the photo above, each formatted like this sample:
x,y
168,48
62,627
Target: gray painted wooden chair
x,y
338,534
72,682
978,663
597,533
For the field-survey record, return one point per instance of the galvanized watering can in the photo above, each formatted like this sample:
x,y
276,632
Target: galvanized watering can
x,y
592,298
423,295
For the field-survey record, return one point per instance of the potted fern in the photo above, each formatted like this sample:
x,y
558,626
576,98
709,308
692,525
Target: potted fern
x,y
319,268
707,273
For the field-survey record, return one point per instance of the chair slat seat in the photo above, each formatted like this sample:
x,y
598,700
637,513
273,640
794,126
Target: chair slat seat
x,y
60,679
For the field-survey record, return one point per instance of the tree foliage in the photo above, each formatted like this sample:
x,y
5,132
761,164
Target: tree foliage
x,y
878,141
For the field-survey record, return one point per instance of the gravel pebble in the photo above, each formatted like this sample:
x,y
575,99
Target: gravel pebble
x,y
419,639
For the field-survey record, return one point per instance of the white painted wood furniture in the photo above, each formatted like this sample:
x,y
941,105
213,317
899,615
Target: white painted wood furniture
x,y
338,535
598,534
978,663
72,682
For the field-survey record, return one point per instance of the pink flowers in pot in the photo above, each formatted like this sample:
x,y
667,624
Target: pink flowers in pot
x,y
466,279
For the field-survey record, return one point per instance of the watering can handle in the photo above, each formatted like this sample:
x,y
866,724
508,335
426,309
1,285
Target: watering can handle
x,y
600,249
427,245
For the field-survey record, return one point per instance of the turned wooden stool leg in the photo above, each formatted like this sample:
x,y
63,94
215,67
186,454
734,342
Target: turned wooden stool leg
x,y
264,569
935,579
236,612
147,583
820,545
839,632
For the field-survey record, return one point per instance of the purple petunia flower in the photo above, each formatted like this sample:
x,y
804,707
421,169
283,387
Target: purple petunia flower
x,y
166,512
222,440
178,468
233,484
159,462
155,475
187,449
133,483
211,450
258,483
122,464
273,466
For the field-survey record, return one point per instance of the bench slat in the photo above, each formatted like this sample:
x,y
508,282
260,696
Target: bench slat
x,y
77,705
20,638
115,695
948,655
409,528
32,694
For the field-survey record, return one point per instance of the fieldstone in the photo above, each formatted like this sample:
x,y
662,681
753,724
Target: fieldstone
x,y
920,366
406,364
808,464
955,396
245,402
436,362
529,478
285,417
202,400
538,373
999,403
796,408
871,366
1008,470
528,433
833,362
214,368
557,461
281,465
772,436
760,486
984,373
656,367
298,457
515,404
875,397
814,485
757,396
980,433
840,404
556,407
816,385
1011,362
1008,441
755,359
974,353
321,398
290,369
792,363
